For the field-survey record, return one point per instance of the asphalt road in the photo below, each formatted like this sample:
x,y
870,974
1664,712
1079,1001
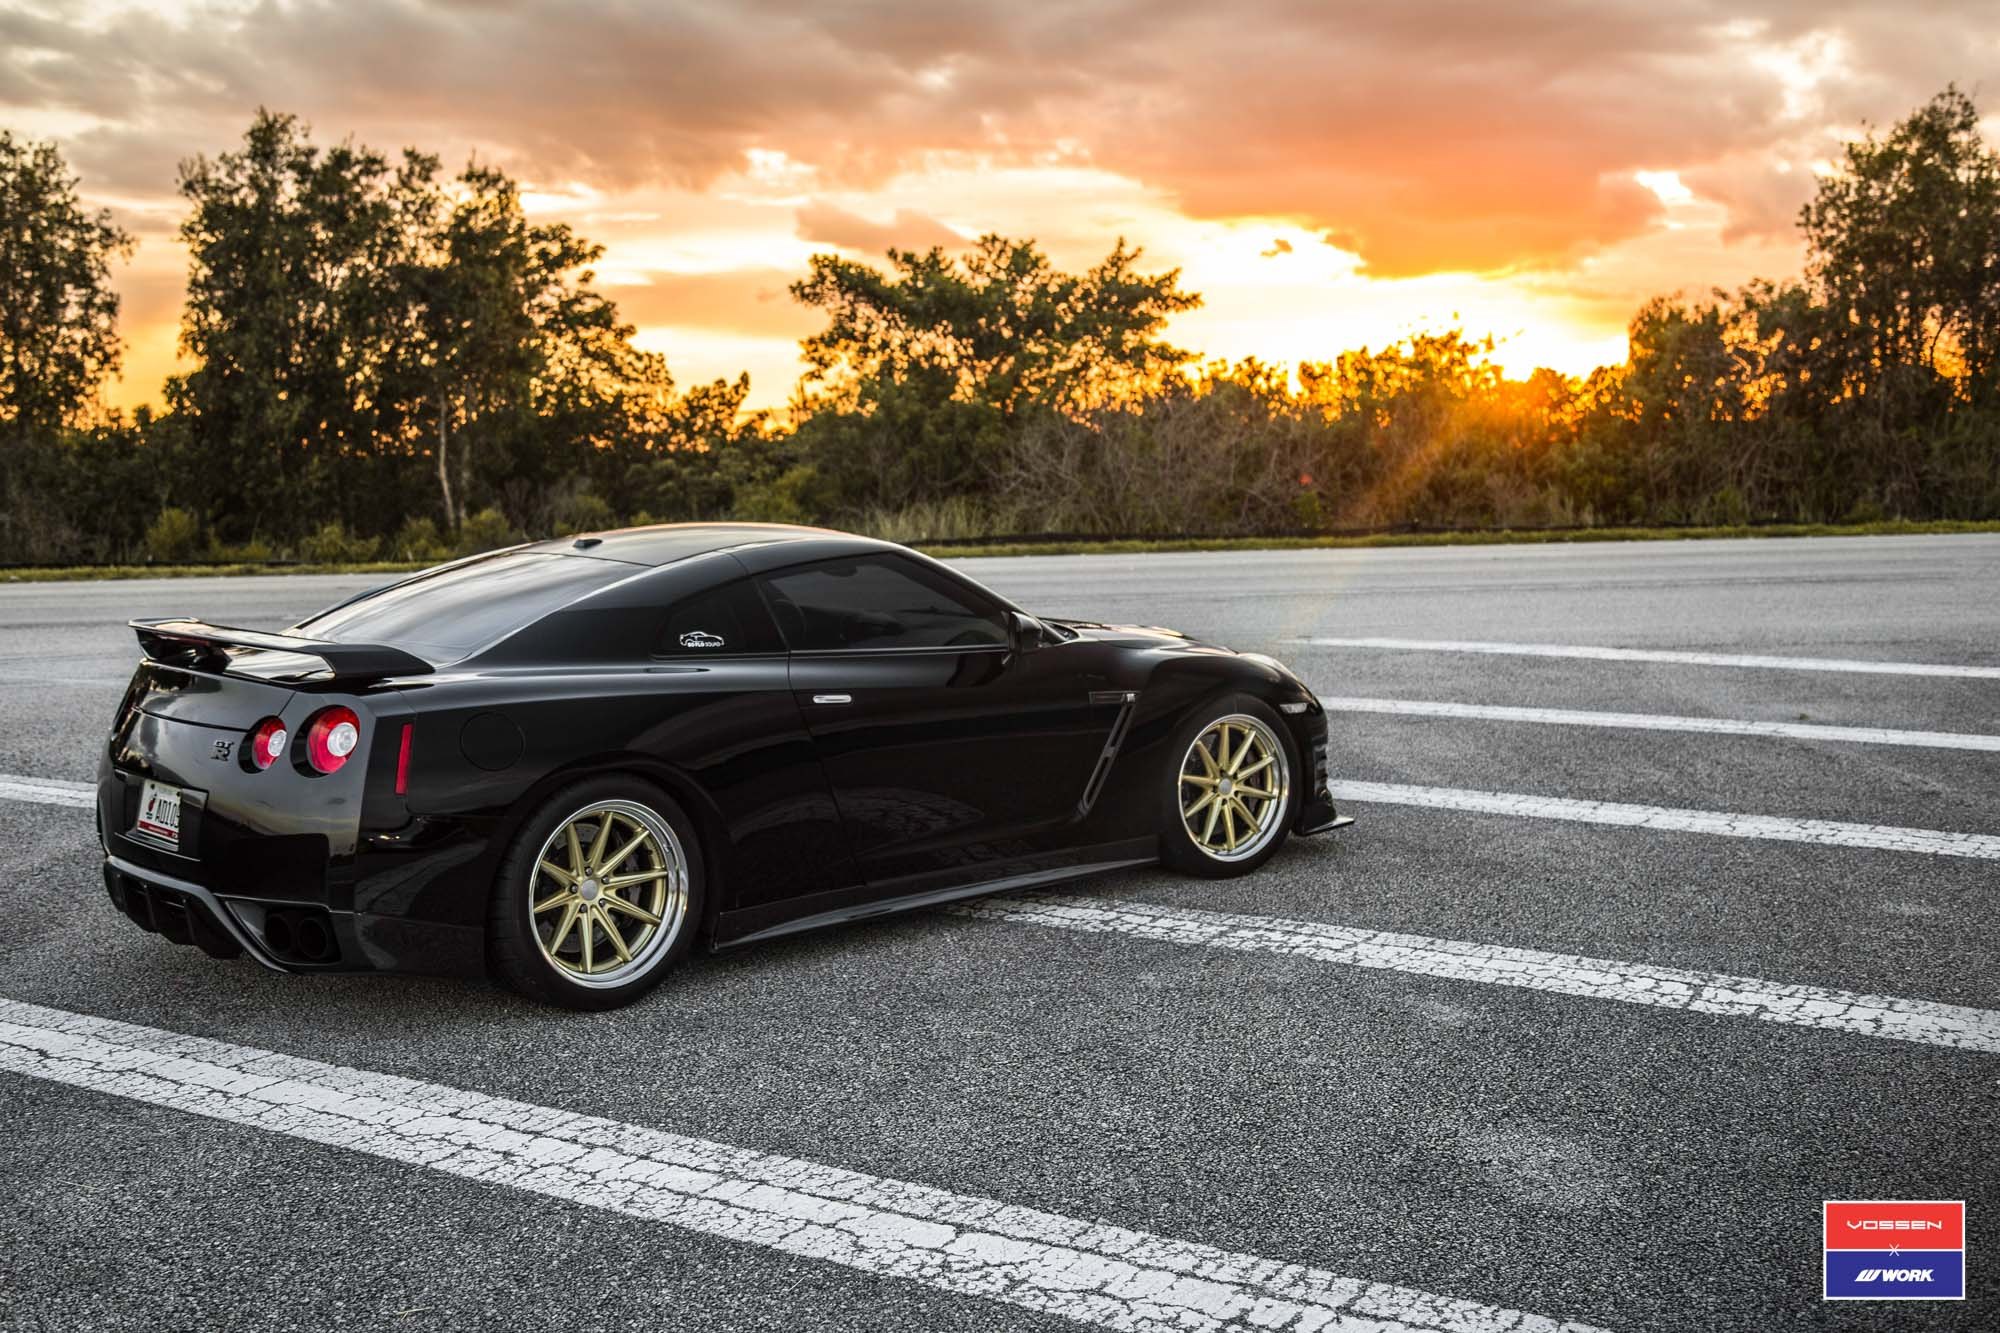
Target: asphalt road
x,y
1519,1146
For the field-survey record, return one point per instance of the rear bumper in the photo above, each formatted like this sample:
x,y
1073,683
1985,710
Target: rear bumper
x,y
283,936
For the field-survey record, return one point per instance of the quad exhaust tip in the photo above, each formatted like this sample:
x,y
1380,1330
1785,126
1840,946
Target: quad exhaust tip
x,y
303,937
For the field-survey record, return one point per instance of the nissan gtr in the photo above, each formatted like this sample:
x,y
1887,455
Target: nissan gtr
x,y
569,763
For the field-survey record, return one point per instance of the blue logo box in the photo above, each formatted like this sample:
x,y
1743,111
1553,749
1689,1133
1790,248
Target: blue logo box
x,y
1892,1275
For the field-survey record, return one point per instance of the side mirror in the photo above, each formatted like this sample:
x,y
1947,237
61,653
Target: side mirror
x,y
1024,632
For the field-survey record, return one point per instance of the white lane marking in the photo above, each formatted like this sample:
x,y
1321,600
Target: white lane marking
x,y
47,791
1591,978
1752,660
1087,1271
1828,832
1714,726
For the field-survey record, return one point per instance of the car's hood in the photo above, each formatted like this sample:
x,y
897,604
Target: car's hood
x,y
1156,635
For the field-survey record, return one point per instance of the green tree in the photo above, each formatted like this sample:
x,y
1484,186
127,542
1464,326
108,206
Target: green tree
x,y
922,373
292,304
58,314
1904,249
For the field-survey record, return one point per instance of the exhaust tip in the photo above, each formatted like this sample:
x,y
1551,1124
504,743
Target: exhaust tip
x,y
278,932
313,940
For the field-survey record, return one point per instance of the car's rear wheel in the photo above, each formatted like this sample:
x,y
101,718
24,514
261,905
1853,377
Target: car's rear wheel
x,y
598,897
1232,794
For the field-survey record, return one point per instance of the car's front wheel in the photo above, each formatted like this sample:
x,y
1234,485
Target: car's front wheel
x,y
1232,795
598,897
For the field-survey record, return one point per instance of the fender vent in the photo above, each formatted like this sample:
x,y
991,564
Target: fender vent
x,y
1127,701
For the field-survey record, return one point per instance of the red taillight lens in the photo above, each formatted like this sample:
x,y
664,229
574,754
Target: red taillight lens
x,y
330,737
267,743
403,764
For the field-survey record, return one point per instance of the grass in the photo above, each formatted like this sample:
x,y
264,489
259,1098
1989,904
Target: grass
x,y
74,573
1501,537
1498,537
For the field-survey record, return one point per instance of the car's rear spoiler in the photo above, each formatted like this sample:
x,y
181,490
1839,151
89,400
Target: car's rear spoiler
x,y
196,643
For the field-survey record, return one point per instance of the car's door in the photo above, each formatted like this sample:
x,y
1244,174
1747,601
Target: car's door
x,y
947,750
744,740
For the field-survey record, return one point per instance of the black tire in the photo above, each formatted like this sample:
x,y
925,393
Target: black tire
x,y
1180,847
518,951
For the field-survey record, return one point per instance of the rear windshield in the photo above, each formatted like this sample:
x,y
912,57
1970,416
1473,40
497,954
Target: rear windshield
x,y
455,612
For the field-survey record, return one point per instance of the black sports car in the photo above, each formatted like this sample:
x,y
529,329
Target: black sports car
x,y
571,761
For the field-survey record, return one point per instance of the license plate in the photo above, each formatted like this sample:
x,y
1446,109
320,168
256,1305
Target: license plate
x,y
160,813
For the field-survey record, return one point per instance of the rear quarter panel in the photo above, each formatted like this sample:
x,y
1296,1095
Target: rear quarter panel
x,y
723,738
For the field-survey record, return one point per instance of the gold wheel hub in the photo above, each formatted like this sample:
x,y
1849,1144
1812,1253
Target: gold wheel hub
x,y
1233,783
609,893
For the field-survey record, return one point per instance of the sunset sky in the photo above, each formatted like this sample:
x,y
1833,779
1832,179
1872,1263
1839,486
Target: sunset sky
x,y
1326,176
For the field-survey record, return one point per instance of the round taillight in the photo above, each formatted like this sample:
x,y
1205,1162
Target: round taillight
x,y
267,743
330,737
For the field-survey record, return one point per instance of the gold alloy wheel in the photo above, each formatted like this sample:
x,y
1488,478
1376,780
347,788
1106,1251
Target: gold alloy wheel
x,y
609,893
1234,780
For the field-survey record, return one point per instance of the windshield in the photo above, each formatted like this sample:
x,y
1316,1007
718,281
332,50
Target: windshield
x,y
457,611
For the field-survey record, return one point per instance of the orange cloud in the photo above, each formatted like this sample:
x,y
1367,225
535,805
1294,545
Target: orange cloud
x,y
751,302
1435,135
824,224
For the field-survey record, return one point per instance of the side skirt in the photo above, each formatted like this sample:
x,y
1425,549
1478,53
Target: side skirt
x,y
930,898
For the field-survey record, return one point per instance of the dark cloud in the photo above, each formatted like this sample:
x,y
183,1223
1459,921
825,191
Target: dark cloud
x,y
824,224
1440,134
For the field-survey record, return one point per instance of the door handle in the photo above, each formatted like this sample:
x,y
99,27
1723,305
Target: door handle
x,y
833,698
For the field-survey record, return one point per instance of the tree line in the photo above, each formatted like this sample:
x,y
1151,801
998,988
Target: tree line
x,y
391,363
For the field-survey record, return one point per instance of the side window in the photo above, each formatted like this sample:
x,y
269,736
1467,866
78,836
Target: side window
x,y
877,602
723,620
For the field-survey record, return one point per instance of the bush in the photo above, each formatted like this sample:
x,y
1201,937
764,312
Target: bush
x,y
934,520
256,551
174,537
583,512
332,545
790,497
484,531
418,540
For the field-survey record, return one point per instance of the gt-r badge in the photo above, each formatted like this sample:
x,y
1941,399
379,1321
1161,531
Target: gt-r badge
x,y
222,749
700,638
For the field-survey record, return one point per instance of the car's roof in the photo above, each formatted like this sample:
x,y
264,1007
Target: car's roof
x,y
665,543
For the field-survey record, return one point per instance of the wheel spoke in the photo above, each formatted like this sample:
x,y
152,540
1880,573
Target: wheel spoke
x,y
631,909
618,857
553,901
1244,810
599,843
589,954
1251,771
610,882
1257,792
1208,829
563,926
1207,800
611,933
1198,780
575,851
1207,759
556,873
1229,824
1243,751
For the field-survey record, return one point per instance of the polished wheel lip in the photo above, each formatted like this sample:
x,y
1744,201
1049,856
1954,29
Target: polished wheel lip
x,y
599,919
1214,804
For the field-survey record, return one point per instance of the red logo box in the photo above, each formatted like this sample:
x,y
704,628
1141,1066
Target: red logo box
x,y
1904,1224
